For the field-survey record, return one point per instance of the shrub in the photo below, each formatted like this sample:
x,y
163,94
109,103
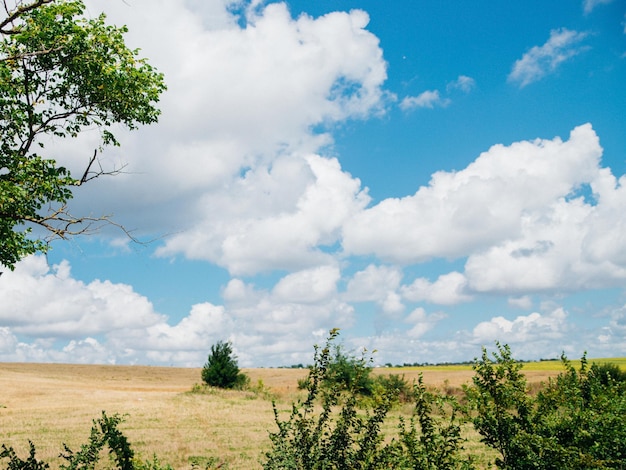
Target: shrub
x,y
221,369
104,432
395,383
584,411
16,463
339,428
577,421
500,405
344,372
608,372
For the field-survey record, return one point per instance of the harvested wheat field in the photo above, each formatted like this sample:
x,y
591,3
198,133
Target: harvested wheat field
x,y
52,404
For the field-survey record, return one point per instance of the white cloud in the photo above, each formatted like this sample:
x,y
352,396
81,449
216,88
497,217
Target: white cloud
x,y
275,326
531,217
463,212
42,301
463,83
244,96
421,322
571,245
275,219
448,289
378,284
102,322
589,5
308,286
539,61
427,99
525,329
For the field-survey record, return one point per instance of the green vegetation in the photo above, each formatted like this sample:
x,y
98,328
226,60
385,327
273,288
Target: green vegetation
x,y
104,433
60,74
346,432
345,372
576,420
221,369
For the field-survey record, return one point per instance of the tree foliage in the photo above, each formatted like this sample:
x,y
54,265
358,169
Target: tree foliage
x,y
221,369
60,73
577,421
345,372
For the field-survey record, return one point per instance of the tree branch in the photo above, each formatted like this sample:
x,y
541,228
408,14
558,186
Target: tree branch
x,y
89,175
27,55
19,11
59,223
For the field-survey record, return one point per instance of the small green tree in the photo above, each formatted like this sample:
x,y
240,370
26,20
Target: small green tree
x,y
221,369
345,372
501,406
577,421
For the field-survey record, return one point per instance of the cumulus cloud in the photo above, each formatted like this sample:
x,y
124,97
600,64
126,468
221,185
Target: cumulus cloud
x,y
534,216
540,61
376,284
533,331
274,326
448,289
273,219
43,301
464,212
531,217
109,323
427,99
245,89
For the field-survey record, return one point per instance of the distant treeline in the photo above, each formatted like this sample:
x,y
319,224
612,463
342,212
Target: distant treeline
x,y
425,364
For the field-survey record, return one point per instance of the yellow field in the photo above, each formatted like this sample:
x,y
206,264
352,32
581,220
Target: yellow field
x,y
52,404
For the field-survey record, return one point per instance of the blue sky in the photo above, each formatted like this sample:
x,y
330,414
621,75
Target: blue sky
x,y
428,176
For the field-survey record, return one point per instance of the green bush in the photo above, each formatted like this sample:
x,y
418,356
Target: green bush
x,y
16,463
608,372
344,372
577,421
221,369
104,433
395,383
337,427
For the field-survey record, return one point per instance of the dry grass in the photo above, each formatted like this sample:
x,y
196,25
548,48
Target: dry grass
x,y
52,404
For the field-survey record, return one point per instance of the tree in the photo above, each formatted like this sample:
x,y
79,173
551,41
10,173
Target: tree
x,y
221,369
577,421
60,73
347,372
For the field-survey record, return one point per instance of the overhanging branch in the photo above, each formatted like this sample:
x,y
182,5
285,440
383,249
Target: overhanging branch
x,y
17,13
89,174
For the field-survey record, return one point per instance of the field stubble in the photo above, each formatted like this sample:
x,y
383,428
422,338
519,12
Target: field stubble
x,y
52,404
